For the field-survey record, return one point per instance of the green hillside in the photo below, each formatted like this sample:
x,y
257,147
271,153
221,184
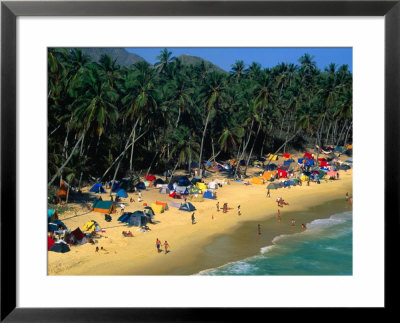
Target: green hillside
x,y
124,58
194,60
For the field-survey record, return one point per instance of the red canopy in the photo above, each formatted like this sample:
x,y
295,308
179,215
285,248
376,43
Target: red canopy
x,y
286,155
308,155
282,173
50,242
323,163
150,178
321,159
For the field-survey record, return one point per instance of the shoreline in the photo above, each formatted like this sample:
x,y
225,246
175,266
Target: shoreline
x,y
190,243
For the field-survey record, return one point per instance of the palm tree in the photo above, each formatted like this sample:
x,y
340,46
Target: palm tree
x,y
164,59
238,70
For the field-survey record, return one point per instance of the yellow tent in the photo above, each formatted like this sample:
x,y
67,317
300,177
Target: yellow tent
x,y
268,174
90,226
157,208
304,178
349,146
257,180
273,157
201,186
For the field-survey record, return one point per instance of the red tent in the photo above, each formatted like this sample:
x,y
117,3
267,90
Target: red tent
x,y
286,155
282,173
323,163
150,178
321,159
308,155
172,194
50,242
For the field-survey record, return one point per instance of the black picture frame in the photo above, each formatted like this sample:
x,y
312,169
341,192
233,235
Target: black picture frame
x,y
10,10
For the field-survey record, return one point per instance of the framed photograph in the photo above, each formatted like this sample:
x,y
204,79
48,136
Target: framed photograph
x,y
197,158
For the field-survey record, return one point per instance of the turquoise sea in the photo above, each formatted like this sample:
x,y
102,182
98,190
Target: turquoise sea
x,y
324,248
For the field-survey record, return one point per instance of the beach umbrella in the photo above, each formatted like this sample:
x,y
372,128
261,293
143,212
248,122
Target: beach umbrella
x,y
272,186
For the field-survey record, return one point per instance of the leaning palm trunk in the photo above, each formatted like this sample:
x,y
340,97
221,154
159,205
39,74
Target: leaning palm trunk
x,y
133,144
59,171
202,142
320,134
245,146
347,133
286,141
341,133
254,142
151,164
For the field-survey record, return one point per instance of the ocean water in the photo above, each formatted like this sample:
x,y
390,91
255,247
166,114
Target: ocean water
x,y
324,248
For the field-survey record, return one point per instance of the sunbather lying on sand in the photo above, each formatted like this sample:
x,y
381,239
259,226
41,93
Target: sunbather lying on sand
x,y
127,234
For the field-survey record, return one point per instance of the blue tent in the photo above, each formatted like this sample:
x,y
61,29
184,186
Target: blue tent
x,y
287,163
309,162
271,167
207,164
50,213
122,193
148,211
184,181
339,149
300,160
53,226
61,247
115,187
137,218
98,188
188,207
141,186
208,195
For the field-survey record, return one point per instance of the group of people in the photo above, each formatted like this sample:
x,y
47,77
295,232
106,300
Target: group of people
x,y
158,245
281,202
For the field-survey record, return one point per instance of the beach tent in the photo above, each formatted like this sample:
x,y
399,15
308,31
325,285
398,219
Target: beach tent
x,y
97,188
272,157
175,205
62,192
59,246
344,166
137,218
122,193
149,211
273,186
287,163
126,184
53,226
208,195
104,206
304,178
172,194
323,164
184,181
51,215
164,189
141,186
164,205
309,162
201,186
212,185
339,149
268,174
321,159
76,237
242,162
91,226
286,155
188,207
282,173
157,208
307,155
159,181
194,190
196,198
115,187
50,242
150,178
182,190
271,167
257,180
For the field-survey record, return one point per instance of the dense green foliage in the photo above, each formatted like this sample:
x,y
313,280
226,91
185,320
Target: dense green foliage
x,y
105,121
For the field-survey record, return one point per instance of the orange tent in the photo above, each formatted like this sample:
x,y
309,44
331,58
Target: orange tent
x,y
164,205
257,180
268,174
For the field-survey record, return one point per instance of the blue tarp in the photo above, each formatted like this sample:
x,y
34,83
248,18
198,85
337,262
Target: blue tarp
x,y
271,167
207,164
97,188
115,187
53,226
141,186
300,160
184,181
287,163
309,162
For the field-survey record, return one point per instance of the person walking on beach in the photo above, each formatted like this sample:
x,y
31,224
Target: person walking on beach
x,y
279,215
122,208
259,229
140,197
225,207
239,210
193,219
268,193
166,245
218,206
347,196
292,223
158,244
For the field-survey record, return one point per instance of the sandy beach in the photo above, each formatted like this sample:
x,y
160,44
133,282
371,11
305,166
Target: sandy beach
x,y
190,243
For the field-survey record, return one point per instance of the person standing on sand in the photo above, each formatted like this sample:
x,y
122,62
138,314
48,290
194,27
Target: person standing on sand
x,y
259,229
166,245
193,219
158,244
140,197
218,206
268,193
239,210
347,196
122,208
